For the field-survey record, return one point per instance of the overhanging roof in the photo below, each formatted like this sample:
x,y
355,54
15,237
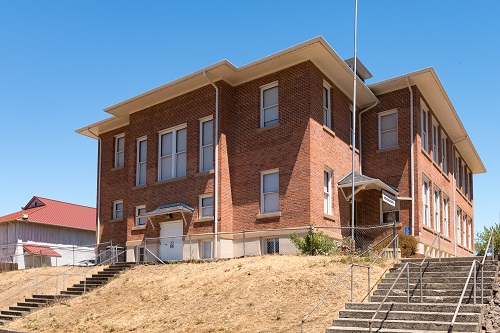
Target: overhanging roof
x,y
317,50
40,250
177,207
368,183
429,84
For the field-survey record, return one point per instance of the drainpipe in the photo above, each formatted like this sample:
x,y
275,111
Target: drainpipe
x,y
453,181
360,136
412,160
98,238
216,167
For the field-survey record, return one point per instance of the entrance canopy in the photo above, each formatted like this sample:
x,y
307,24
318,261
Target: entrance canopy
x,y
177,207
39,250
362,182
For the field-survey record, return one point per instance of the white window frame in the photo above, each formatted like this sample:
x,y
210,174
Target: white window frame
x,y
444,153
458,221
446,216
437,209
139,255
327,109
263,194
116,211
469,233
137,218
201,207
274,240
204,147
327,195
464,229
140,163
395,209
426,188
435,141
262,109
457,170
469,184
119,153
424,133
174,153
462,172
380,115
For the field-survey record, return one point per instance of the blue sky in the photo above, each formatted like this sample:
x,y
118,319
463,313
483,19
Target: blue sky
x,y
63,62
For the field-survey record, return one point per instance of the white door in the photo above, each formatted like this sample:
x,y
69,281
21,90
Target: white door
x,y
171,247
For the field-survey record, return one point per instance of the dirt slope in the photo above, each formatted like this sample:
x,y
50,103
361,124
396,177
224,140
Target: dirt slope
x,y
258,294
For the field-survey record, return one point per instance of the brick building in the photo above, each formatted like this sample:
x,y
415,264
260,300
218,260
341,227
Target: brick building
x,y
284,155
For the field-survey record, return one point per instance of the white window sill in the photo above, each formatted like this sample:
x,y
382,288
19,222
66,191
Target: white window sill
x,y
268,215
117,168
140,227
204,173
263,129
171,180
204,219
116,220
383,150
329,130
139,186
329,217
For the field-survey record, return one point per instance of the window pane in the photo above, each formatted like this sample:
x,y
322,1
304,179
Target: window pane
x,y
207,158
207,135
166,144
271,116
120,143
207,250
325,97
181,140
326,181
120,161
142,150
389,122
326,203
166,167
142,173
389,139
271,182
207,211
181,165
271,203
325,117
270,97
208,201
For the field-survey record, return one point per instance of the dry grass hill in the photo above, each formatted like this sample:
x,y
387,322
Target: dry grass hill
x,y
255,294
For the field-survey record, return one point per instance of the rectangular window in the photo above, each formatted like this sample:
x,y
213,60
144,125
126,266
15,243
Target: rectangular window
x,y
327,109
424,127
272,245
458,221
269,108
140,254
269,202
206,250
119,150
462,175
388,213
142,147
172,153
437,210
206,206
469,184
426,202
435,141
206,144
387,129
464,229
140,221
327,191
444,157
457,170
469,233
446,223
117,209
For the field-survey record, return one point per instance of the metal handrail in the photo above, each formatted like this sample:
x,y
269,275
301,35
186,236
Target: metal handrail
x,y
407,267
350,268
473,268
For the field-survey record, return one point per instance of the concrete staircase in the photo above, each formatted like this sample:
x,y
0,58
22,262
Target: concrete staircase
x,y
442,285
35,302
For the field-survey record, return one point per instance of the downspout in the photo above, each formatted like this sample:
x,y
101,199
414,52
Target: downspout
x,y
98,236
216,167
412,160
454,180
361,137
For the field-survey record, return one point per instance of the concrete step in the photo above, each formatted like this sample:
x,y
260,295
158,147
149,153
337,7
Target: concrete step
x,y
23,308
415,307
36,300
415,279
337,329
103,275
410,315
444,260
429,299
428,325
8,317
15,313
429,285
439,275
48,297
443,268
434,292
72,293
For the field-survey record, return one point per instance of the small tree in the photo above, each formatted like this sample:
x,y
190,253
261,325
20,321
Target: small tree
x,y
482,239
315,242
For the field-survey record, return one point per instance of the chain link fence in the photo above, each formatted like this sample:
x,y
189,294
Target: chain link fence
x,y
306,240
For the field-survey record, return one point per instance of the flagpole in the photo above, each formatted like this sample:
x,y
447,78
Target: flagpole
x,y
353,139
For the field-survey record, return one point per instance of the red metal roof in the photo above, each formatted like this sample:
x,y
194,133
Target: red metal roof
x,y
57,213
41,250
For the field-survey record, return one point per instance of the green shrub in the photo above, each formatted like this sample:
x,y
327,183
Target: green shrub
x,y
408,245
317,241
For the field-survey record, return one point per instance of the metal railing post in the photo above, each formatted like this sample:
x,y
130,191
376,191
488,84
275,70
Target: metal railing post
x,y
369,284
190,247
408,283
421,283
244,244
311,238
439,246
482,284
475,281
395,243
